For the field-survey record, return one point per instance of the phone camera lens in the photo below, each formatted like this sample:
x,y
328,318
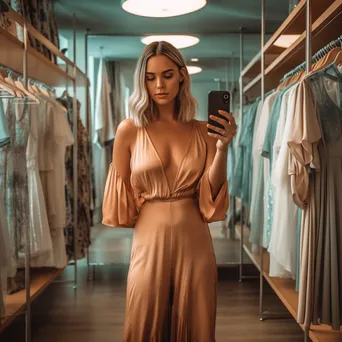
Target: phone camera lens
x,y
226,96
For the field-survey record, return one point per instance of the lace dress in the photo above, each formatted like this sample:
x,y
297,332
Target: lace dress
x,y
14,182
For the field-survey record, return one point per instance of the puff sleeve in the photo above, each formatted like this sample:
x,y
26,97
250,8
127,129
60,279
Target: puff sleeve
x,y
119,209
212,209
303,145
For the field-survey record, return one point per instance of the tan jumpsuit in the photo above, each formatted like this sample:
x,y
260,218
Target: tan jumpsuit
x,y
172,279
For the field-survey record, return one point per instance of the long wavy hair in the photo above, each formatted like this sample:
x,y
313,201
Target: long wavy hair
x,y
142,108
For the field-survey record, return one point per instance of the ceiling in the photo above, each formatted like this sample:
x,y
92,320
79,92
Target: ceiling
x,y
217,25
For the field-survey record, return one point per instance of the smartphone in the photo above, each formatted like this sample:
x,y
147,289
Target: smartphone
x,y
218,100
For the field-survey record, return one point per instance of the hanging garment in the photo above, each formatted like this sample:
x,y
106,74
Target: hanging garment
x,y
257,209
117,85
14,184
233,152
4,133
5,21
24,8
282,247
6,254
103,128
53,28
14,174
242,185
267,152
41,243
315,168
83,174
167,220
54,136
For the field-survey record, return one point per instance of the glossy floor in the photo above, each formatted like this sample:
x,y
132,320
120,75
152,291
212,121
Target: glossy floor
x,y
95,311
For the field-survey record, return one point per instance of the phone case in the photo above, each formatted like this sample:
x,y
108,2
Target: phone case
x,y
218,100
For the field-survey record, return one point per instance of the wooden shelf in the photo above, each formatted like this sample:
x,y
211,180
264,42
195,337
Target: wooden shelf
x,y
285,289
325,29
323,13
15,303
39,67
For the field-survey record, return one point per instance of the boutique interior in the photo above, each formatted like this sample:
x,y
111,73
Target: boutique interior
x,y
66,76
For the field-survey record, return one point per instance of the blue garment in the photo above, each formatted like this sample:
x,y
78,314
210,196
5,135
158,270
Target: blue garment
x,y
4,133
242,185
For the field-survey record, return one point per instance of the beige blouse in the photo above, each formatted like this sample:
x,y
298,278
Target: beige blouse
x,y
148,181
303,144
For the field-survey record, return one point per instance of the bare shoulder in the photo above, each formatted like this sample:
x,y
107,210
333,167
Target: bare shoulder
x,y
204,130
126,132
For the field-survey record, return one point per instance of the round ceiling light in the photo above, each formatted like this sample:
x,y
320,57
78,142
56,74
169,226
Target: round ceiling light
x,y
192,70
180,42
162,8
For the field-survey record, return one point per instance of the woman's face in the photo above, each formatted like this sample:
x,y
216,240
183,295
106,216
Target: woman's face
x,y
162,79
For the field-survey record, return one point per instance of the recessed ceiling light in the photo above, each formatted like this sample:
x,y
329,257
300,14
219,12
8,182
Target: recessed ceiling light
x,y
193,69
179,42
194,59
286,40
162,8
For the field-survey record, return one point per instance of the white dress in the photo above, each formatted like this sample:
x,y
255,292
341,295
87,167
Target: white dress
x,y
257,216
39,226
56,134
283,243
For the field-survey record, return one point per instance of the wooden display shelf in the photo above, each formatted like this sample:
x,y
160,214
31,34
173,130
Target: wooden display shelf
x,y
15,303
285,289
296,22
325,29
39,67
292,25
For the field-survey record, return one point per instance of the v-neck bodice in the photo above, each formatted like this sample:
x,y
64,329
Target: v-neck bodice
x,y
123,200
148,176
171,184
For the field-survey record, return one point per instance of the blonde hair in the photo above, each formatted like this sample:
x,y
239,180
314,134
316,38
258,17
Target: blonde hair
x,y
142,108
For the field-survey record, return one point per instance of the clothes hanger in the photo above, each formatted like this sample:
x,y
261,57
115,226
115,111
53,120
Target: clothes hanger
x,y
332,51
65,93
28,93
34,88
329,58
50,96
10,82
7,87
338,58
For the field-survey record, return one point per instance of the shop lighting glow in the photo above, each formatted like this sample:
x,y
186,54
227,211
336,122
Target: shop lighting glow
x,y
179,41
162,8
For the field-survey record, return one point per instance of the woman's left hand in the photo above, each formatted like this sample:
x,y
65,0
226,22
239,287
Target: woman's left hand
x,y
224,136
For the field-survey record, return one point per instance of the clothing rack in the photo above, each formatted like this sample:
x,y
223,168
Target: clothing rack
x,y
315,58
316,22
10,71
35,68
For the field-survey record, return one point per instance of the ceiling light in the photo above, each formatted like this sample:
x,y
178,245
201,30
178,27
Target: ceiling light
x,y
193,69
179,42
162,8
194,59
286,40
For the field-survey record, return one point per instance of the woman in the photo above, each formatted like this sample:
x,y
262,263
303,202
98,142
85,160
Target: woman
x,y
168,180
